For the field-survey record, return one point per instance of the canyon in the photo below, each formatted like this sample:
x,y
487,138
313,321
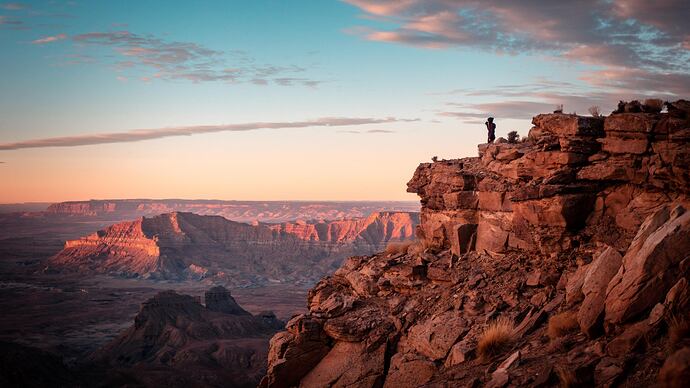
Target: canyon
x,y
182,246
562,259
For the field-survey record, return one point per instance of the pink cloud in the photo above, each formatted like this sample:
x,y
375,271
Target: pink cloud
x,y
49,39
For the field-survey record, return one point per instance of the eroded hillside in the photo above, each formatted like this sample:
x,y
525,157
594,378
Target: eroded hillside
x,y
563,259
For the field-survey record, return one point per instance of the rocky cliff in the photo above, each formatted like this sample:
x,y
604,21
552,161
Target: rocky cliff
x,y
563,259
175,341
188,246
242,211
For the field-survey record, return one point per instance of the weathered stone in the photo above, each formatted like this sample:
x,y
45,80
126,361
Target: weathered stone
x,y
599,274
569,125
675,373
630,122
436,336
348,364
649,267
409,373
533,279
573,288
459,353
628,341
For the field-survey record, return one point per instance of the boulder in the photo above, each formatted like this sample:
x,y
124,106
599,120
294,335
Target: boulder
x,y
348,364
434,337
650,266
597,278
409,371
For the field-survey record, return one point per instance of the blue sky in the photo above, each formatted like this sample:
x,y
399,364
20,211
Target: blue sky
x,y
406,80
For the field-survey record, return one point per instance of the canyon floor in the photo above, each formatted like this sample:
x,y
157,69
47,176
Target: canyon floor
x,y
72,315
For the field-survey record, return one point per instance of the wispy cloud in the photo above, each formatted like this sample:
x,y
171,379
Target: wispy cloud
x,y
13,6
148,57
148,134
649,39
49,39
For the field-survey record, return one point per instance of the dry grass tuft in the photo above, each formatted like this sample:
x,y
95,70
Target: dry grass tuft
x,y
395,247
561,324
496,338
566,377
678,330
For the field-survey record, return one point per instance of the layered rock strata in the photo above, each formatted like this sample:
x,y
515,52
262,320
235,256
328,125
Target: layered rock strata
x,y
181,246
578,238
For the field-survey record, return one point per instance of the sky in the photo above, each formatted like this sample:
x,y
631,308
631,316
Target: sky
x,y
302,100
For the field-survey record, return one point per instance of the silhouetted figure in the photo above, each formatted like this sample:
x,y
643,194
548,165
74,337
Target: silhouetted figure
x,y
491,128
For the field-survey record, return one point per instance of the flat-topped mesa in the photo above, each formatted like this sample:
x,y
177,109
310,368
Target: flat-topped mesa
x,y
572,176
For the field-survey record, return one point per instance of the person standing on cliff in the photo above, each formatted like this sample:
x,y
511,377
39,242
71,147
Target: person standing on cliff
x,y
491,128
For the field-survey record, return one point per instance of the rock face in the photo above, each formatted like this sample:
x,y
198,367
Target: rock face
x,y
241,211
188,246
582,226
202,346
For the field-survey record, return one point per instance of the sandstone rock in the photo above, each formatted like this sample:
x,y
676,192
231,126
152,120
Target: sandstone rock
x,y
573,288
348,364
629,340
573,125
358,324
410,373
219,299
675,373
293,355
607,372
434,337
597,278
533,279
649,267
630,122
460,352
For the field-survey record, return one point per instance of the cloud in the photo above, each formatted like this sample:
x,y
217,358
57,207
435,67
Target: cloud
x,y
380,131
7,21
626,35
148,134
13,6
49,39
173,60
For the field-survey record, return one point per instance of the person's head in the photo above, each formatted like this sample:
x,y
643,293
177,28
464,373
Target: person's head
x,y
491,119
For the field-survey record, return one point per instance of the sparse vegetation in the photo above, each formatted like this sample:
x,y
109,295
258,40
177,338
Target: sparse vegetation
x,y
566,377
513,137
561,324
678,330
395,247
594,111
496,338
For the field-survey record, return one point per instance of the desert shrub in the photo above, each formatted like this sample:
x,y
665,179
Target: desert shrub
x,y
566,377
561,324
559,108
395,247
495,338
654,105
594,111
513,137
678,330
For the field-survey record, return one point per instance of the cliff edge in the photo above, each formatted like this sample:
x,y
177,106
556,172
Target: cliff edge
x,y
562,259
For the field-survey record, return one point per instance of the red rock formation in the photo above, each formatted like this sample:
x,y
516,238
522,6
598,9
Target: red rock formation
x,y
174,338
186,245
242,211
587,218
